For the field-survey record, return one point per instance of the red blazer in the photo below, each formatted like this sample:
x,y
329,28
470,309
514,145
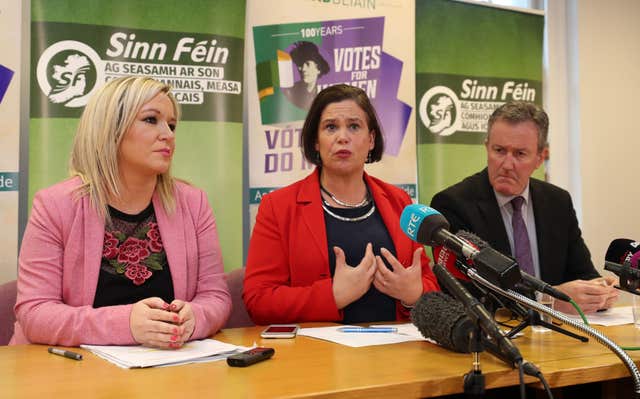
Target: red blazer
x,y
287,277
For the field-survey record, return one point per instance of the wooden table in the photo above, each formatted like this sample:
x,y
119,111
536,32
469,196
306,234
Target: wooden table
x,y
306,367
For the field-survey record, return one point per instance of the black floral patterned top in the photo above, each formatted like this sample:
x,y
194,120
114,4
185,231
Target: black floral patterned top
x,y
134,264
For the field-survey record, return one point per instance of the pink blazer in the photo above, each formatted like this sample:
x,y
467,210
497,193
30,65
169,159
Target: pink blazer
x,y
60,259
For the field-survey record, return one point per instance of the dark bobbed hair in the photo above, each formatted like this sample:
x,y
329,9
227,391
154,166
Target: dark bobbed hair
x,y
514,112
304,51
335,94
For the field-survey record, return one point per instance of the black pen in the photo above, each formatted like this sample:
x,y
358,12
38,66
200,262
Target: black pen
x,y
67,354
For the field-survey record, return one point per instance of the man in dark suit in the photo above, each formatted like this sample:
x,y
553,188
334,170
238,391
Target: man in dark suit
x,y
549,244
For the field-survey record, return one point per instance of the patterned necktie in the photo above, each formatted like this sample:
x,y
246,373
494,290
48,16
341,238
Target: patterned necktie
x,y
521,237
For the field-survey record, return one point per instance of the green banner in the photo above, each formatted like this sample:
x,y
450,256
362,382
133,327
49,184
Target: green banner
x,y
470,59
196,46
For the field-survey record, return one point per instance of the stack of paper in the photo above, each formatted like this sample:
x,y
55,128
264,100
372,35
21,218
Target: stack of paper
x,y
614,316
206,350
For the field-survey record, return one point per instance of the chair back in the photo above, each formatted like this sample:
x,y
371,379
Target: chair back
x,y
8,292
239,316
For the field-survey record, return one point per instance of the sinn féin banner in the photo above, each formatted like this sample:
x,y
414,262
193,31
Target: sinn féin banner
x,y
470,59
196,46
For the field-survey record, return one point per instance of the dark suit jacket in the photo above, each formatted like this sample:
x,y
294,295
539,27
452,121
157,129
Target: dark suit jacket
x,y
287,278
471,205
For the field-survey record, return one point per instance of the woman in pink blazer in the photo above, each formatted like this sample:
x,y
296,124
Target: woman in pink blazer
x,y
121,253
330,247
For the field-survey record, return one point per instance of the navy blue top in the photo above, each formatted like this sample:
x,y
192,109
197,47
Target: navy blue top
x,y
353,237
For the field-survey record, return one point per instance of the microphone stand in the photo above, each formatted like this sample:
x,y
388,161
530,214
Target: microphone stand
x,y
600,337
532,318
529,317
474,382
474,385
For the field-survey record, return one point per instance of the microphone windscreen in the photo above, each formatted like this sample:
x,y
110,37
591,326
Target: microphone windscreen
x,y
420,223
473,239
442,319
623,251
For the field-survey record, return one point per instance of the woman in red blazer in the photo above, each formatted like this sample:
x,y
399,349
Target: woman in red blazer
x,y
121,253
330,247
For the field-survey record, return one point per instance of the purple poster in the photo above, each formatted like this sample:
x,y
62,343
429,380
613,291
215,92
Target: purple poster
x,y
295,61
5,78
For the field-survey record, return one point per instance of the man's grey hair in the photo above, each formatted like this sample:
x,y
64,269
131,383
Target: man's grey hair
x,y
521,111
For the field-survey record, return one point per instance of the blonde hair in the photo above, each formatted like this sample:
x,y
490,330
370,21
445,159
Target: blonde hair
x,y
104,122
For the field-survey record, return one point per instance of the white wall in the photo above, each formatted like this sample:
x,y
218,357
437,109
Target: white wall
x,y
609,82
593,98
591,76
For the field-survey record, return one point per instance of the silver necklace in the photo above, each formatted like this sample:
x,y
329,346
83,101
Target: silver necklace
x,y
362,203
346,219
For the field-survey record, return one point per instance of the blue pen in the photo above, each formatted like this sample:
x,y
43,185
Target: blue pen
x,y
368,329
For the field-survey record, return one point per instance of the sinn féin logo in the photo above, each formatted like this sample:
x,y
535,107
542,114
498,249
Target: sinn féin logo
x,y
439,111
68,72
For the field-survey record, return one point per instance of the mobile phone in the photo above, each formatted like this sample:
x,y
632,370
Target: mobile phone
x,y
280,331
247,358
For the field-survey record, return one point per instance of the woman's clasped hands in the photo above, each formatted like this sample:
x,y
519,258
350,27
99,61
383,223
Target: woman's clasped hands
x,y
155,323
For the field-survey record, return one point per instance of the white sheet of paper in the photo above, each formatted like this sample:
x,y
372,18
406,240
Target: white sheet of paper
x,y
357,340
405,329
615,316
205,350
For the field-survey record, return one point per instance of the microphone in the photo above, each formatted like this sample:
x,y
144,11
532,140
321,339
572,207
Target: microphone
x,y
529,280
619,270
427,226
477,313
460,270
441,318
622,259
623,251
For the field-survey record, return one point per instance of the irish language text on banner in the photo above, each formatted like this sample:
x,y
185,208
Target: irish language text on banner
x,y
293,62
79,45
497,58
202,69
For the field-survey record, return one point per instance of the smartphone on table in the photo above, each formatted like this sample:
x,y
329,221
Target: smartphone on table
x,y
280,331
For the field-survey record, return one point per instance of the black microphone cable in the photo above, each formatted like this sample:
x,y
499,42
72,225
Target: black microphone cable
x,y
530,369
523,392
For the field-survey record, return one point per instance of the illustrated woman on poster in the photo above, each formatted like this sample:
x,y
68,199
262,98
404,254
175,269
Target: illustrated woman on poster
x,y
311,66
